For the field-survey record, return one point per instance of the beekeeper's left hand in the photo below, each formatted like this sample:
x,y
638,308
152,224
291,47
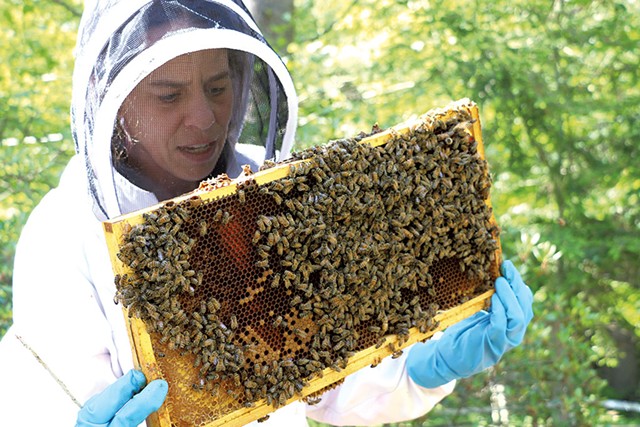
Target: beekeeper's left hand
x,y
478,342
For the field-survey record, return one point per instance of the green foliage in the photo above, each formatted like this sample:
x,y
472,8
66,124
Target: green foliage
x,y
35,89
558,90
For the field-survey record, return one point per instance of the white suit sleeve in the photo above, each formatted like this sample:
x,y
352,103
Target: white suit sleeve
x,y
378,395
57,312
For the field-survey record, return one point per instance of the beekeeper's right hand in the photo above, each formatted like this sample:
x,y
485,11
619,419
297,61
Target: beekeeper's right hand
x,y
124,403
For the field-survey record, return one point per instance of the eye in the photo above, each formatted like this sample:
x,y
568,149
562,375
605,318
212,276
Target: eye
x,y
169,98
215,90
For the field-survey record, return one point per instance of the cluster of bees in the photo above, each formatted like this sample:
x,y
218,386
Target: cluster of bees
x,y
158,252
268,287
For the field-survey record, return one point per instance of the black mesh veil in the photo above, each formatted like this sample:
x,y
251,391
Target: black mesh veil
x,y
122,42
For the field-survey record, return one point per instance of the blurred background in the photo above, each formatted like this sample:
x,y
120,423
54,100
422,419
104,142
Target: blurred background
x,y
557,84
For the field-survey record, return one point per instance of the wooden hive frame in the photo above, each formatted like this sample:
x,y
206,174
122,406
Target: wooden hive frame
x,y
147,348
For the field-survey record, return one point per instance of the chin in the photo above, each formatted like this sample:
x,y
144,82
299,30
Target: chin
x,y
197,173
196,179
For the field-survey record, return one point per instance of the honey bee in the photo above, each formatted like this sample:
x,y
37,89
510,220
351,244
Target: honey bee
x,y
246,170
300,333
396,354
282,399
278,322
273,238
262,253
234,322
276,281
213,305
277,198
203,227
381,342
163,219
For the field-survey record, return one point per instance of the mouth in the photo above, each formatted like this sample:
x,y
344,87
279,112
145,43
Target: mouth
x,y
197,149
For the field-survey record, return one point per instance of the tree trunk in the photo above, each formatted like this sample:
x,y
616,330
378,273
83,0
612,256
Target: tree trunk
x,y
625,377
274,19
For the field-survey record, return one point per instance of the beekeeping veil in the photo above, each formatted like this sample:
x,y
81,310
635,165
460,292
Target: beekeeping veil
x,y
121,41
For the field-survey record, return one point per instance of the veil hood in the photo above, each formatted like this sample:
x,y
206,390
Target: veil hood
x,y
121,41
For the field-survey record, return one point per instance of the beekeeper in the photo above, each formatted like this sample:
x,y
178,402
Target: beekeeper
x,y
165,94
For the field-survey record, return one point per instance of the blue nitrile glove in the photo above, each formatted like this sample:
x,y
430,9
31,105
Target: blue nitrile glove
x,y
478,342
122,403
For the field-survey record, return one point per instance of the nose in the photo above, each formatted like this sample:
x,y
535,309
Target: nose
x,y
200,112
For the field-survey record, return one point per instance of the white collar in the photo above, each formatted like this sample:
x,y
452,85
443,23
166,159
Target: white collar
x,y
131,197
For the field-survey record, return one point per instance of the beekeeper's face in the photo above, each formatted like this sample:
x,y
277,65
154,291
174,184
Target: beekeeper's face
x,y
177,118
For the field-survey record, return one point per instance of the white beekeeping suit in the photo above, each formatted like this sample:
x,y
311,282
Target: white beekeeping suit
x,y
64,309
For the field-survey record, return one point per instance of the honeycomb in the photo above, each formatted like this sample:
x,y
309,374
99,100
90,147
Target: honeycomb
x,y
252,289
